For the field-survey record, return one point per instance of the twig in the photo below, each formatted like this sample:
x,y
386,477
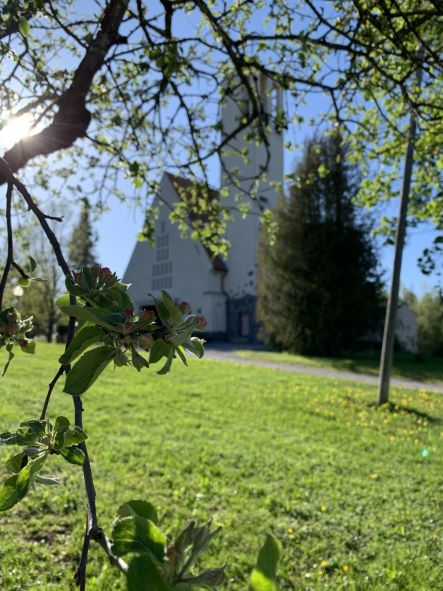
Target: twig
x,y
51,386
19,269
93,531
98,535
9,256
80,574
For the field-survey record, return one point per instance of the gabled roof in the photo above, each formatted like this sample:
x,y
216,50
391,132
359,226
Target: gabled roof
x,y
183,187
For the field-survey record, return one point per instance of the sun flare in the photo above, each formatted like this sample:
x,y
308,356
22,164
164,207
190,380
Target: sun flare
x,y
14,130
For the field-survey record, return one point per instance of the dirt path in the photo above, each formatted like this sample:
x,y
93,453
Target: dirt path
x,y
220,355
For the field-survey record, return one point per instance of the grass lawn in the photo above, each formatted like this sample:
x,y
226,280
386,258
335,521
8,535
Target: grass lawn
x,y
353,493
406,366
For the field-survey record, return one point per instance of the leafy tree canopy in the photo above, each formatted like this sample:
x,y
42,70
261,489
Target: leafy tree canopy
x,y
132,86
319,288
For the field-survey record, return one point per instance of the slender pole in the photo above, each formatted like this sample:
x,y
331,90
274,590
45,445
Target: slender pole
x,y
391,310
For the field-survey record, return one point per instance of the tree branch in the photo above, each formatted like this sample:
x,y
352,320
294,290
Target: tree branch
x,y
72,119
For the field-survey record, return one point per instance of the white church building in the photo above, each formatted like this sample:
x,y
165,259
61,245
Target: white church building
x,y
223,290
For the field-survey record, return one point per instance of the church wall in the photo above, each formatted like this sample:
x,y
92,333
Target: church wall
x,y
244,233
180,266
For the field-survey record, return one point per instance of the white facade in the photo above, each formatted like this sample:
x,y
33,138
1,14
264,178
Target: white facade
x,y
223,291
243,233
180,266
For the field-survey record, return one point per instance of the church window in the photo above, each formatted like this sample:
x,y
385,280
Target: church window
x,y
274,101
162,254
163,241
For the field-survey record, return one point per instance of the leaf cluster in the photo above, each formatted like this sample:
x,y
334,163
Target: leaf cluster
x,y
39,439
168,565
110,331
13,331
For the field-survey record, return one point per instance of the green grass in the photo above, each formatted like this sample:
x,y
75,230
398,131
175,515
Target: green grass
x,y
407,366
345,486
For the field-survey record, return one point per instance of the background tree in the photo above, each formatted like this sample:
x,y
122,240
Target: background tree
x,y
38,299
318,284
429,311
82,241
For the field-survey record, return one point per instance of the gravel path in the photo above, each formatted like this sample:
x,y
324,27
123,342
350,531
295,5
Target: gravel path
x,y
231,356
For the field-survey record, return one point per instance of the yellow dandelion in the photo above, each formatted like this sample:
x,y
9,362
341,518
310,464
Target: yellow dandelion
x,y
323,508
324,563
290,530
345,568
373,476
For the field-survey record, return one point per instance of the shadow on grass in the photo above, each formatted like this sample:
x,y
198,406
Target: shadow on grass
x,y
410,410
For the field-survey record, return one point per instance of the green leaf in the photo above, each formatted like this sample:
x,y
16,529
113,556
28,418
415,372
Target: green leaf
x,y
95,315
32,264
74,436
23,27
172,309
35,426
29,348
158,350
73,455
167,366
9,495
8,438
137,534
28,473
143,575
86,337
139,508
47,480
61,424
195,346
14,464
181,355
24,282
264,576
87,369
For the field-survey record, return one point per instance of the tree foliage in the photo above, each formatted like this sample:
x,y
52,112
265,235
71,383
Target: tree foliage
x,y
82,241
318,284
429,312
140,83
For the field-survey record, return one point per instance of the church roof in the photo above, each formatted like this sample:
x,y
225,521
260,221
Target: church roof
x,y
181,186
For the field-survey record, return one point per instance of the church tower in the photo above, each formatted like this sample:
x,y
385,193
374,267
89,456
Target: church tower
x,y
243,233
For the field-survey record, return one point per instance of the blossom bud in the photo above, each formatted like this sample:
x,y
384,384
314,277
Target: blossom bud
x,y
145,341
128,325
201,321
105,273
129,312
184,307
13,328
147,316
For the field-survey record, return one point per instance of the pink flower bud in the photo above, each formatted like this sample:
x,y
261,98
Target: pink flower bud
x,y
184,307
129,312
128,325
201,321
13,328
147,316
105,273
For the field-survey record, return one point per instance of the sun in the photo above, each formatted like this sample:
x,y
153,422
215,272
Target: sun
x,y
15,129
